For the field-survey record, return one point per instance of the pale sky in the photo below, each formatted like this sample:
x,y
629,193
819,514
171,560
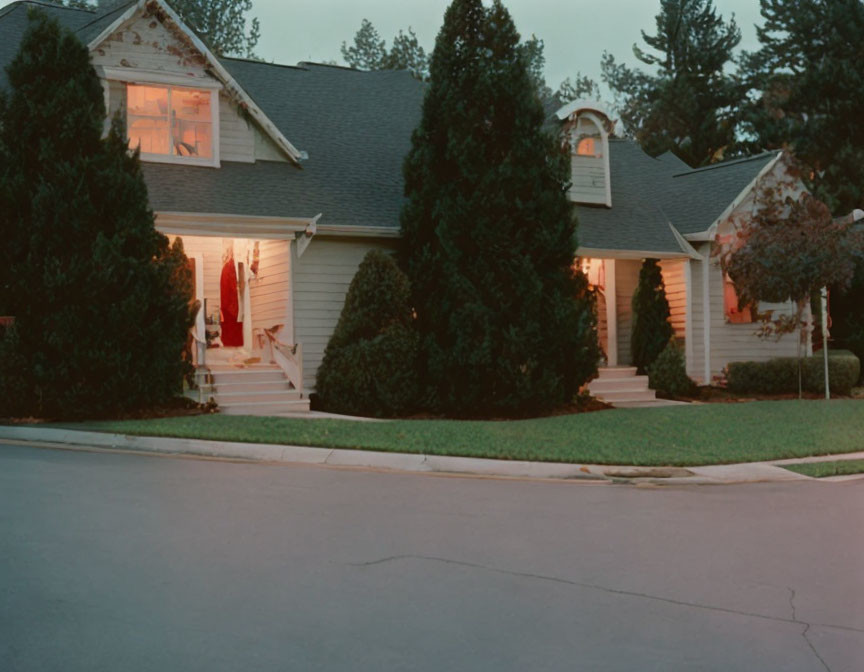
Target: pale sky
x,y
575,32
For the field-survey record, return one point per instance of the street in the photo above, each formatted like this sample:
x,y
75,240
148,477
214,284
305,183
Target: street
x,y
132,562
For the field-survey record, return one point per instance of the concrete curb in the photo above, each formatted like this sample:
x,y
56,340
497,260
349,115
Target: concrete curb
x,y
756,472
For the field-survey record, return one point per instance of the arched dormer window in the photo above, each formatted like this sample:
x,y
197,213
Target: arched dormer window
x,y
587,128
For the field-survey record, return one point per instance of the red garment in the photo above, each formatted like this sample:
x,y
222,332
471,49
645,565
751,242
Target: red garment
x,y
232,330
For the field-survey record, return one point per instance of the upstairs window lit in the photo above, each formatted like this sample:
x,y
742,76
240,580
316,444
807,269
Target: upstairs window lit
x,y
169,123
589,147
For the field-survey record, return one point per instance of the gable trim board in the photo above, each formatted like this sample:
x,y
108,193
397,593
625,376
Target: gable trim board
x,y
711,231
230,84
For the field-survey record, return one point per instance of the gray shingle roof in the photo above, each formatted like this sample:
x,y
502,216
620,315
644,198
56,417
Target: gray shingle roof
x,y
356,127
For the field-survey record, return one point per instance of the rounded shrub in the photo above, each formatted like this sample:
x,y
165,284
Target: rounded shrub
x,y
668,374
369,365
780,375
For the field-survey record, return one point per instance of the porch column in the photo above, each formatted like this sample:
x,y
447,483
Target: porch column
x,y
689,350
706,311
611,314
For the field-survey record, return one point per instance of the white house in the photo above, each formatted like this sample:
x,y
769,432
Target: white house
x,y
279,179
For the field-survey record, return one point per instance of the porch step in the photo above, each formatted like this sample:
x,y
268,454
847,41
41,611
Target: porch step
x,y
254,396
600,385
257,389
263,408
621,387
617,372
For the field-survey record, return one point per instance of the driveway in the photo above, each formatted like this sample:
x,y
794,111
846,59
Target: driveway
x,y
128,562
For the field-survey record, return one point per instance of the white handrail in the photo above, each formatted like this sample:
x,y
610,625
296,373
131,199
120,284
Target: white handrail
x,y
289,358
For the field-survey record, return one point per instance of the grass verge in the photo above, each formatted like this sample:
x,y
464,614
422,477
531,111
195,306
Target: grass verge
x,y
676,436
825,469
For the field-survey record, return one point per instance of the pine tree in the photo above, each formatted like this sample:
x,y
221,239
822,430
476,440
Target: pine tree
x,y
651,327
102,303
369,52
689,105
369,365
807,92
506,324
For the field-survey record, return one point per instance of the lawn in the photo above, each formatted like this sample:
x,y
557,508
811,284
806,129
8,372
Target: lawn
x,y
824,469
679,436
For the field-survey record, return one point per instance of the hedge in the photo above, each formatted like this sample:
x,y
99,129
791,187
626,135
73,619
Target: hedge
x,y
780,375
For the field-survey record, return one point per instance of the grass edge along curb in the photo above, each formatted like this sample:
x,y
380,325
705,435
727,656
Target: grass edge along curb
x,y
827,469
675,436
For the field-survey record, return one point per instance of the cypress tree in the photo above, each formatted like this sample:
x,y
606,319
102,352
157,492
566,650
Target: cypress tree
x,y
506,324
651,327
369,366
102,302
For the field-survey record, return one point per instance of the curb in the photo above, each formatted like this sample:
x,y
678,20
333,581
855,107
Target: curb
x,y
755,472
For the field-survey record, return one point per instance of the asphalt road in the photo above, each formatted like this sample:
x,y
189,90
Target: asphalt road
x,y
126,563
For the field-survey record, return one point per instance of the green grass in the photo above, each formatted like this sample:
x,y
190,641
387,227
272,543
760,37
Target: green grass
x,y
824,469
679,436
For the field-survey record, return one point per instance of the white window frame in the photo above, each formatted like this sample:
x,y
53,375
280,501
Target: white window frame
x,y
209,162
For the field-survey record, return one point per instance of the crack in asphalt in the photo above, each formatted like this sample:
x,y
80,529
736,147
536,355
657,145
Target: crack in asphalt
x,y
806,628
615,591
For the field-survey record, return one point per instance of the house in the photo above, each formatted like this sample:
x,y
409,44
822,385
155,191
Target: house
x,y
279,179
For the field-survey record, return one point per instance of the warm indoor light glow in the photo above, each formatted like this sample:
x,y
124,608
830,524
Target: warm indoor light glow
x,y
170,121
585,147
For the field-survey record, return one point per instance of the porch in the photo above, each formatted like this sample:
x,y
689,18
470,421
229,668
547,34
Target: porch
x,y
243,347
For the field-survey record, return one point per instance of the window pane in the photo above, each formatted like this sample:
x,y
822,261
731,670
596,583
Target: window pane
x,y
192,123
147,119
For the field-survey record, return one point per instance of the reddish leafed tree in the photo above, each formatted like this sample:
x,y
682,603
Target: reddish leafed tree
x,y
788,250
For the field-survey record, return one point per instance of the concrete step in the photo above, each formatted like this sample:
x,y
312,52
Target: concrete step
x,y
653,403
248,375
239,388
616,372
255,396
600,385
626,395
263,408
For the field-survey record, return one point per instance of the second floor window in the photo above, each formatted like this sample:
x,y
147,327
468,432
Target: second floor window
x,y
168,121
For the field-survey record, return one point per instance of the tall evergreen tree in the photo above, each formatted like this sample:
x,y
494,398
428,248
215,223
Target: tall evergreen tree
x,y
807,92
488,239
369,52
689,104
651,328
102,303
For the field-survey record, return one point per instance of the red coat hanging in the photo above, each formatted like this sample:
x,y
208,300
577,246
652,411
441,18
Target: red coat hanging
x,y
232,330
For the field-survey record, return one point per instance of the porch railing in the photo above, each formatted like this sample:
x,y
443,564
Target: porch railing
x,y
287,357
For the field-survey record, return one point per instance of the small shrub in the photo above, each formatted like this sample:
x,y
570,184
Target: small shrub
x,y
369,365
780,375
668,374
651,328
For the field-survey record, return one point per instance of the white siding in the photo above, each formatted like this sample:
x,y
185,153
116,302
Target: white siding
x,y
626,279
211,249
146,44
676,294
236,135
265,148
588,178
270,292
321,279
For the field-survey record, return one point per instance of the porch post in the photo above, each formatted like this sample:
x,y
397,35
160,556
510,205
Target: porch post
x,y
689,346
611,314
706,311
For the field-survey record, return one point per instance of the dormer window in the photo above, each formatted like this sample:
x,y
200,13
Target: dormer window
x,y
172,124
589,147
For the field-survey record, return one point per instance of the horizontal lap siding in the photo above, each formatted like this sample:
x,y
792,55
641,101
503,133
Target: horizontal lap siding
x,y
211,249
626,279
270,292
321,280
676,295
739,342
236,136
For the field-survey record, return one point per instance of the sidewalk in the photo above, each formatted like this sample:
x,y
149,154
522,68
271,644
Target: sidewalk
x,y
751,472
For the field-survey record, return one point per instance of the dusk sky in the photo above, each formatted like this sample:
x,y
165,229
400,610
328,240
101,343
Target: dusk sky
x,y
575,32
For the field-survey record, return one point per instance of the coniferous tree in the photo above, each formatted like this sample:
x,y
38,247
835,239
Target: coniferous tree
x,y
369,365
807,92
101,301
689,104
369,52
651,327
506,324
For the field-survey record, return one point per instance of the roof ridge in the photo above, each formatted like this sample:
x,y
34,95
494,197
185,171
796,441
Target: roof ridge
x,y
731,162
255,61
12,6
